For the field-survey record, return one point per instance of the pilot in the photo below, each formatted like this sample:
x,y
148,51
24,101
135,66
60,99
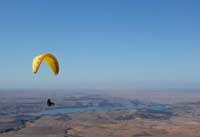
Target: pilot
x,y
49,103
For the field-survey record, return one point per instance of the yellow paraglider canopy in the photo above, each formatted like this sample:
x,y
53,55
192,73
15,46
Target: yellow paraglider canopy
x,y
47,58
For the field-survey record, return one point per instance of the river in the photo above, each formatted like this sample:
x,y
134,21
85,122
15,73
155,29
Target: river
x,y
54,111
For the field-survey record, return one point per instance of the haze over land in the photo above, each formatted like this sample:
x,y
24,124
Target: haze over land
x,y
180,117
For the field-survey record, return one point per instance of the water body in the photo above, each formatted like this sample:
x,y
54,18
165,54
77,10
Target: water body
x,y
55,111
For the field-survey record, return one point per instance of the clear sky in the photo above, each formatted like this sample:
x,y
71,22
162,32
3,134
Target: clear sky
x,y
101,43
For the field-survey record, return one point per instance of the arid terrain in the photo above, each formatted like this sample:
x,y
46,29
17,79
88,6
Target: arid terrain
x,y
180,119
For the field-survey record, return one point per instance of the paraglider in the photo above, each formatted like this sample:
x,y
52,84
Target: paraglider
x,y
52,62
50,103
48,58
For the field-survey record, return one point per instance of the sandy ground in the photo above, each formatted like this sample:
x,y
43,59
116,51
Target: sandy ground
x,y
183,119
112,124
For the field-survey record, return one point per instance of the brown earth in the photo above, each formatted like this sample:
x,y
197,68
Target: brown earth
x,y
182,120
124,123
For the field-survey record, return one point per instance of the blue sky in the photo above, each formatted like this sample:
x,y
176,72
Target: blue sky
x,y
115,44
